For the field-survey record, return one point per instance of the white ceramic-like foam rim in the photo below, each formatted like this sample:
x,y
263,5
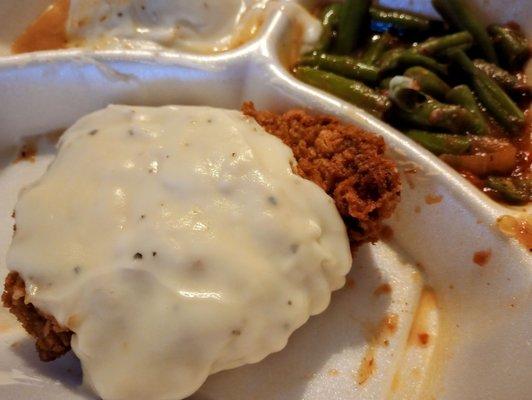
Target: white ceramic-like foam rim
x,y
263,50
442,237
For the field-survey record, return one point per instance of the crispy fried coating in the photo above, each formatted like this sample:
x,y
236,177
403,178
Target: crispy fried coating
x,y
347,162
52,340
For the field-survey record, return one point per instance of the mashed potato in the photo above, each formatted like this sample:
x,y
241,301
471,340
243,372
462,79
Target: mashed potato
x,y
201,26
206,26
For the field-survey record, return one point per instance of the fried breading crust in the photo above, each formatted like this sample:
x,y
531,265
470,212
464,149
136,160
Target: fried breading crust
x,y
348,163
52,340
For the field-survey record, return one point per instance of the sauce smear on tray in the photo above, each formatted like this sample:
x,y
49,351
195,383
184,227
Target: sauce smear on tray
x,y
48,32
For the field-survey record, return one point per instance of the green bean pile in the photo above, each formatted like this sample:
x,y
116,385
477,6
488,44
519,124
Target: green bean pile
x,y
454,86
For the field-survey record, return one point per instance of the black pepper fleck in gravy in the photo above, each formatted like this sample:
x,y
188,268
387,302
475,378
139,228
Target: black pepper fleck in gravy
x,y
272,200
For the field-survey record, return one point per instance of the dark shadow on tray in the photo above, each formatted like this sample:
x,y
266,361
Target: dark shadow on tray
x,y
66,369
352,309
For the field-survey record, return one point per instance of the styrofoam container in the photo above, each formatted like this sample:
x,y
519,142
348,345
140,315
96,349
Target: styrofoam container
x,y
446,329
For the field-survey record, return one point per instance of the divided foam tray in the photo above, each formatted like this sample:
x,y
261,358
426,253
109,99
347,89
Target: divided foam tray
x,y
418,318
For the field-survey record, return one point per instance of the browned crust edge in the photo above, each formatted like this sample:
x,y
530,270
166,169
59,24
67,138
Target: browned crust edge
x,y
52,340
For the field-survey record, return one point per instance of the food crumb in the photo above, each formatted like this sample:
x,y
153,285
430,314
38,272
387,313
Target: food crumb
x,y
423,338
333,372
482,257
27,152
137,256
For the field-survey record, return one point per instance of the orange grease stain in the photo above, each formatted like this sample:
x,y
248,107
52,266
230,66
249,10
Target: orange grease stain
x,y
431,199
385,288
427,304
47,32
481,258
423,338
517,228
386,328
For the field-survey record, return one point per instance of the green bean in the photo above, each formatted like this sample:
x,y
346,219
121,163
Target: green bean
x,y
352,91
440,143
428,81
459,14
463,96
379,44
505,111
352,20
512,45
513,84
329,21
433,114
399,19
342,65
423,111
512,189
435,45
404,58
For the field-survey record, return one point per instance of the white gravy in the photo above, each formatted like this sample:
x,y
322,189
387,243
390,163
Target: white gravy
x,y
175,242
